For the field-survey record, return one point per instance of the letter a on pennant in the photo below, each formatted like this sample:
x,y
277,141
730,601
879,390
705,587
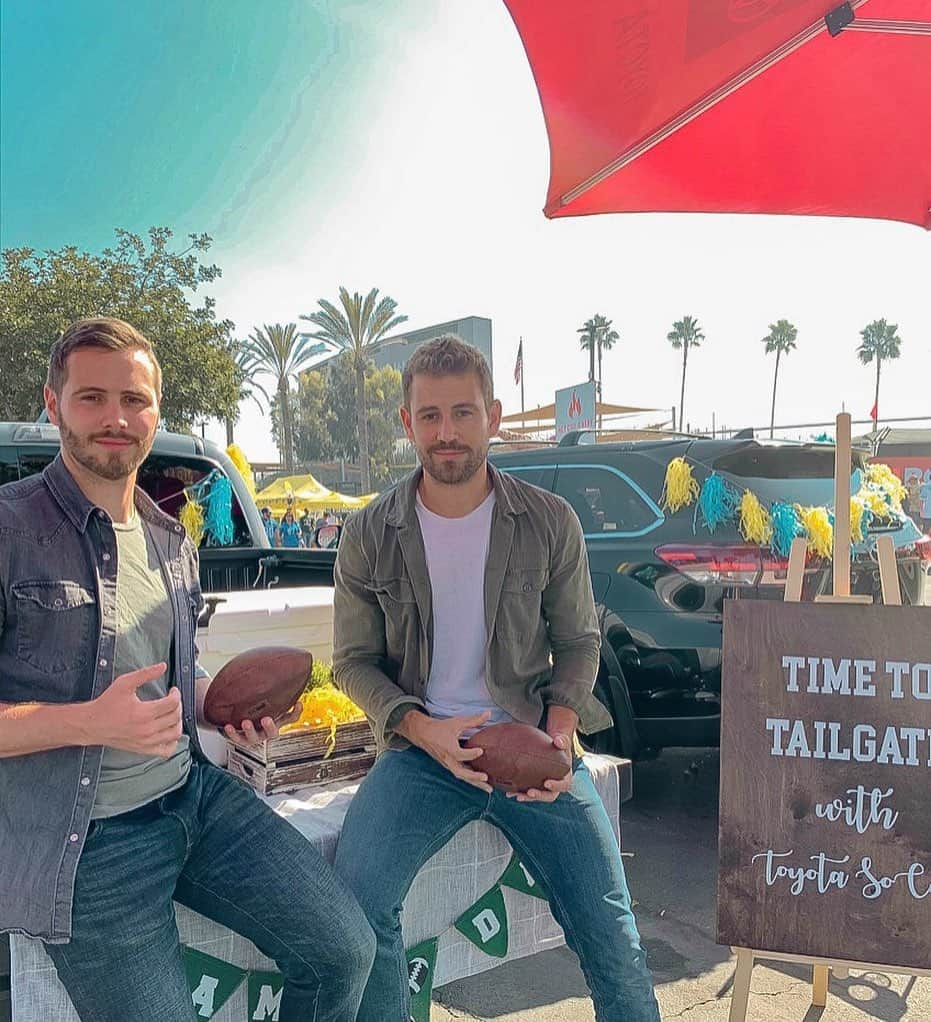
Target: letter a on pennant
x,y
265,996
421,960
486,923
518,878
210,980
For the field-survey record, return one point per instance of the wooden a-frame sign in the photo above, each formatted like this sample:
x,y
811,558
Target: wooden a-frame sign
x,y
817,866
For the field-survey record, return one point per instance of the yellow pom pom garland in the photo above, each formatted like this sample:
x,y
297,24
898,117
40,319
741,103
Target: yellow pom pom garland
x,y
818,530
883,477
680,488
858,513
192,518
756,526
238,458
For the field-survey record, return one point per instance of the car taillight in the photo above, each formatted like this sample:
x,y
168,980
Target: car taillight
x,y
731,565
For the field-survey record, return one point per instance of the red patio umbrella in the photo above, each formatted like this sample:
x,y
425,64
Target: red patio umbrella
x,y
754,106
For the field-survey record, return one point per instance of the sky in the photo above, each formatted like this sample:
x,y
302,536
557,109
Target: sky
x,y
400,144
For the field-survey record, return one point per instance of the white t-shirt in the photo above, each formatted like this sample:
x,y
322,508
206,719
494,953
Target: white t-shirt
x,y
457,549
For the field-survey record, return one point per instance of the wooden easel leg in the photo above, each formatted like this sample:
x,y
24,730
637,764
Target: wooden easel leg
x,y
740,992
888,572
819,985
795,574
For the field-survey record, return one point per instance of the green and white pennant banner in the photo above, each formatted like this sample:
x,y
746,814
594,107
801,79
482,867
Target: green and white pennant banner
x,y
518,878
210,980
265,996
421,961
486,923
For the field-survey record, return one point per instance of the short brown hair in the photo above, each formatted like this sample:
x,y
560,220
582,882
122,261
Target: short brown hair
x,y
447,355
99,332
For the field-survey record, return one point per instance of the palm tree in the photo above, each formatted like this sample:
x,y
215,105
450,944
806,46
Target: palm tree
x,y
781,339
880,341
589,341
281,352
606,339
685,334
244,358
357,331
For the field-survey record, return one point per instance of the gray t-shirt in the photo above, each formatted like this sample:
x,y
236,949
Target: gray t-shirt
x,y
144,633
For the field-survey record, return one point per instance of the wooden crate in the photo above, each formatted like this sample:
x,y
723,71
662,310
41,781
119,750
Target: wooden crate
x,y
269,779
297,759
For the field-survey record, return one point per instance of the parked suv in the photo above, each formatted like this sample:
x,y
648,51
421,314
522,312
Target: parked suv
x,y
660,580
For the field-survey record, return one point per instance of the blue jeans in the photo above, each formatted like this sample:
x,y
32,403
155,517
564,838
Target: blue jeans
x,y
217,848
409,806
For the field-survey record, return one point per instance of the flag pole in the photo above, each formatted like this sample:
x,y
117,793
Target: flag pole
x,y
522,383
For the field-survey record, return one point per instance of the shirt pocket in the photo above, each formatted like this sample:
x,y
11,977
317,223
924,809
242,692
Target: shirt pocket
x,y
54,623
399,604
520,609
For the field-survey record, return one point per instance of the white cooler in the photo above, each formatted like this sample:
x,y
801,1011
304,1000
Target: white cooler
x,y
263,617
268,617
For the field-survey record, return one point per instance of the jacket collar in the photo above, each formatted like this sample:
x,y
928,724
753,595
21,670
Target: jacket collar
x,y
76,506
508,497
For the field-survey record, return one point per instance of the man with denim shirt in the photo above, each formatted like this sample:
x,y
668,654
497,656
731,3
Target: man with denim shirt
x,y
110,810
463,596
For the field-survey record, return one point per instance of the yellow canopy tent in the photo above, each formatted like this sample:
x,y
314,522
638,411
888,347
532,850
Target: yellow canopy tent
x,y
304,491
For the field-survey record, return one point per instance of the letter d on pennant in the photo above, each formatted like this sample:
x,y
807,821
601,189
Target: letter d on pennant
x,y
486,923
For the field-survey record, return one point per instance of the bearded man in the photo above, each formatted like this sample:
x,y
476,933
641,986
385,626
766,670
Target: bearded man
x,y
110,809
463,597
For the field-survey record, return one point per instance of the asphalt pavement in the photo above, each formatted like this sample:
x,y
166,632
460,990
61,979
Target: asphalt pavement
x,y
670,846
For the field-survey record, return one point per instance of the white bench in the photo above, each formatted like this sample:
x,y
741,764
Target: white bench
x,y
447,885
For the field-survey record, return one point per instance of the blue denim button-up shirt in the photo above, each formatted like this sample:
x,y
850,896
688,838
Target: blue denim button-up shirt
x,y
58,624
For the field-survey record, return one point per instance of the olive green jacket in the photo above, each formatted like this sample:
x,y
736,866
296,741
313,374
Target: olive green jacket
x,y
543,636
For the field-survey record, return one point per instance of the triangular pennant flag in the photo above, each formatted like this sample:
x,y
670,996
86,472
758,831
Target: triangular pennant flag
x,y
265,995
210,980
420,962
486,923
518,878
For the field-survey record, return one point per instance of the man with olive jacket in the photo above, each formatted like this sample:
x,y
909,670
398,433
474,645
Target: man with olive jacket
x,y
463,598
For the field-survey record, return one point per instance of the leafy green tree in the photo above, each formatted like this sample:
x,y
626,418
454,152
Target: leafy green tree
x,y
324,416
781,339
281,352
880,341
140,279
356,332
685,334
312,423
383,397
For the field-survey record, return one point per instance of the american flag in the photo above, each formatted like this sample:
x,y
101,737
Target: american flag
x,y
519,364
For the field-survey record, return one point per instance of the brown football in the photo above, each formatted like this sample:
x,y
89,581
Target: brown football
x,y
262,682
518,757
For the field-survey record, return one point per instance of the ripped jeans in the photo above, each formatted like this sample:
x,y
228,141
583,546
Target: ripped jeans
x,y
409,806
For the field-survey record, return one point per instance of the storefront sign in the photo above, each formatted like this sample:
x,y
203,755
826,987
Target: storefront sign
x,y
575,409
